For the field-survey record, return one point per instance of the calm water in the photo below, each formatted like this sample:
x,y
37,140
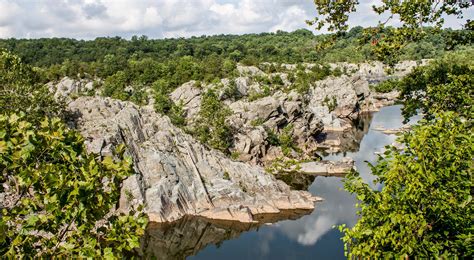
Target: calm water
x,y
309,237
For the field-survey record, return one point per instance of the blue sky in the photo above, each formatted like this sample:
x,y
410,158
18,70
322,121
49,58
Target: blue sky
x,y
87,19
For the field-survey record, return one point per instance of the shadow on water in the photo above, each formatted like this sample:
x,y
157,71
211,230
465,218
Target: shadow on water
x,y
300,235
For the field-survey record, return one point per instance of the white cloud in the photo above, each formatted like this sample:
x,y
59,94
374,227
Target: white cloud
x,y
161,18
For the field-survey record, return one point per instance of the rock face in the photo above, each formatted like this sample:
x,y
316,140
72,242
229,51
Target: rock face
x,y
68,87
189,96
325,117
176,175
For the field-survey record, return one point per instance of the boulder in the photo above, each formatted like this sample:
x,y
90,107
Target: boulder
x,y
189,96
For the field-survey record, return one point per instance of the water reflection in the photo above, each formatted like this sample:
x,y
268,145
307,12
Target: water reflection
x,y
189,235
309,237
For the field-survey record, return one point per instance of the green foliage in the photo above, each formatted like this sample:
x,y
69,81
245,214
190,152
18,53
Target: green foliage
x,y
335,14
386,86
231,91
283,165
445,84
165,106
388,43
20,90
331,103
163,102
211,127
58,198
286,140
208,57
118,86
177,114
304,77
226,176
272,137
424,208
264,92
257,122
235,155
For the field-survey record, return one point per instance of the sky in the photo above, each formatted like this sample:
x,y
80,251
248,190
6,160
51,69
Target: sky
x,y
88,19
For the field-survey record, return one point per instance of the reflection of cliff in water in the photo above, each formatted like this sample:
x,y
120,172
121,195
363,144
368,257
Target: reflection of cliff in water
x,y
189,235
359,129
349,140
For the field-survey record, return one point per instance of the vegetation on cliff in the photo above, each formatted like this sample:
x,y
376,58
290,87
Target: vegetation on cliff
x,y
57,199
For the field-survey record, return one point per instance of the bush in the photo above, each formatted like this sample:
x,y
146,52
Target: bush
x,y
331,103
445,84
58,198
22,91
386,86
211,127
424,208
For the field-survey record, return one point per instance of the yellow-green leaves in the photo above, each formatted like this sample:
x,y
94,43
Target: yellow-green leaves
x,y
57,192
21,91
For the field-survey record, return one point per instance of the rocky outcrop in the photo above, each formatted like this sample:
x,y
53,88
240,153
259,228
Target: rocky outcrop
x,y
176,175
67,87
255,119
189,96
326,117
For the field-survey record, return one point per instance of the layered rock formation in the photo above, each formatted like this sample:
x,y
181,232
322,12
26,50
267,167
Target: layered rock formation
x,y
326,117
176,175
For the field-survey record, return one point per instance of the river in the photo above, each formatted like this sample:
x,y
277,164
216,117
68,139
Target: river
x,y
309,237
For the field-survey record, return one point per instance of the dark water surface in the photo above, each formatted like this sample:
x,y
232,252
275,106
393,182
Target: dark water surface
x,y
309,237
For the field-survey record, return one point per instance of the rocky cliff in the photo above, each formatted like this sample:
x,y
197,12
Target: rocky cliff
x,y
323,117
177,175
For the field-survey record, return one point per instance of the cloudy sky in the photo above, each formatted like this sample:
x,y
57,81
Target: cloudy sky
x,y
87,19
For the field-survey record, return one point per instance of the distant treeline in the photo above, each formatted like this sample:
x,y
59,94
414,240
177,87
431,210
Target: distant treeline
x,y
124,69
283,47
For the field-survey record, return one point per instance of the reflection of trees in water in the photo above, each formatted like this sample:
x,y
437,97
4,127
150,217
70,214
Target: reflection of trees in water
x,y
189,235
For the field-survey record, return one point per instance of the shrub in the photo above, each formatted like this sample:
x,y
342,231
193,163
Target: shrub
x,y
58,198
443,85
424,208
331,103
21,91
386,86
211,127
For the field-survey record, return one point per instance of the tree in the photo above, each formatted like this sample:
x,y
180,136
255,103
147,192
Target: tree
x,y
424,208
388,42
445,84
58,200
22,91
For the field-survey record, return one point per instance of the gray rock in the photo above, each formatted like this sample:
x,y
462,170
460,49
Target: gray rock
x,y
176,175
190,96
249,71
68,87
